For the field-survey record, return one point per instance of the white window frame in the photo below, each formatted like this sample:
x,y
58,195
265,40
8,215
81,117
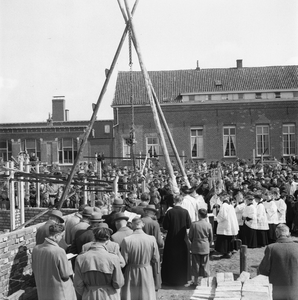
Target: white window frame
x,y
288,137
125,148
198,140
31,146
262,132
6,152
152,143
64,149
229,140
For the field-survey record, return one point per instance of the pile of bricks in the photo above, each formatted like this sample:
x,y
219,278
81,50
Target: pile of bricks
x,y
224,287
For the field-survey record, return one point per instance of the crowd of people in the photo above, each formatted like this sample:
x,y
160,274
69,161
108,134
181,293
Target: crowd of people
x,y
126,247
141,230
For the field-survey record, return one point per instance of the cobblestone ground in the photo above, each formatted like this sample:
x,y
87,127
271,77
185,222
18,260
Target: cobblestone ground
x,y
254,257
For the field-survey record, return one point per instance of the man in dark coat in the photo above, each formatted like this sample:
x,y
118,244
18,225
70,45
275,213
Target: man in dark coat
x,y
280,263
117,206
175,268
85,236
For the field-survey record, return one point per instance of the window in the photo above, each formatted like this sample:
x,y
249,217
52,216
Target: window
x,y
67,149
5,150
208,97
277,94
289,143
229,141
262,140
107,129
32,146
152,146
126,148
225,97
258,95
197,143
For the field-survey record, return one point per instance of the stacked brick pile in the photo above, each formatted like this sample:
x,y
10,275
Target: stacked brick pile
x,y
224,287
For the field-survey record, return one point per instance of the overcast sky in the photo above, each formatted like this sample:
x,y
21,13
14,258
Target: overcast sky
x,y
62,47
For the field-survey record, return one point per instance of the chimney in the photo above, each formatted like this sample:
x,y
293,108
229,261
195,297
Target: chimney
x,y
239,63
198,67
67,115
58,105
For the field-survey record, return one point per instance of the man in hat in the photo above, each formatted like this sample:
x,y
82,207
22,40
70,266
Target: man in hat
x,y
51,268
84,222
111,246
98,272
139,251
139,209
201,237
123,231
280,264
71,222
84,236
55,217
151,226
117,206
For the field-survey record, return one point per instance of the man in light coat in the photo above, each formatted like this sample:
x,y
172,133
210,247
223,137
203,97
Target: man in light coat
x,y
140,251
51,268
98,273
280,264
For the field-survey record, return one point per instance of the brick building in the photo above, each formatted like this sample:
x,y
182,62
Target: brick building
x,y
57,140
213,114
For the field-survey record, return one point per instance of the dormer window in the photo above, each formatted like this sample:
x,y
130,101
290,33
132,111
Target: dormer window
x,y
277,94
258,95
218,83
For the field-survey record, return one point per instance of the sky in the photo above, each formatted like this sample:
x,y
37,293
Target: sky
x,y
62,47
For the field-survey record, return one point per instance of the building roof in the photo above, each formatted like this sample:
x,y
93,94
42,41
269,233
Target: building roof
x,y
169,85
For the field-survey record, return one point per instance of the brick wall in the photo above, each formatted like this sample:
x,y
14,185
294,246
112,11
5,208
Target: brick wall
x,y
30,212
16,280
211,117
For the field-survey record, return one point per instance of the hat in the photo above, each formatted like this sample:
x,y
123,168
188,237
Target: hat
x,y
104,225
96,217
56,228
118,202
88,211
145,196
58,214
150,207
186,190
120,216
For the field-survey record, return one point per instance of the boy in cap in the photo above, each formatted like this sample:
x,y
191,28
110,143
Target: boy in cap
x,y
201,237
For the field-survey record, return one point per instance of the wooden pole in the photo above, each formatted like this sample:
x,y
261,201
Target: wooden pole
x,y
181,166
93,117
254,156
37,186
173,182
21,193
243,258
12,198
115,186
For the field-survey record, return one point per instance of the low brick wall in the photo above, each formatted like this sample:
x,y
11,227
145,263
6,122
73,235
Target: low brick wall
x,y
16,280
30,212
